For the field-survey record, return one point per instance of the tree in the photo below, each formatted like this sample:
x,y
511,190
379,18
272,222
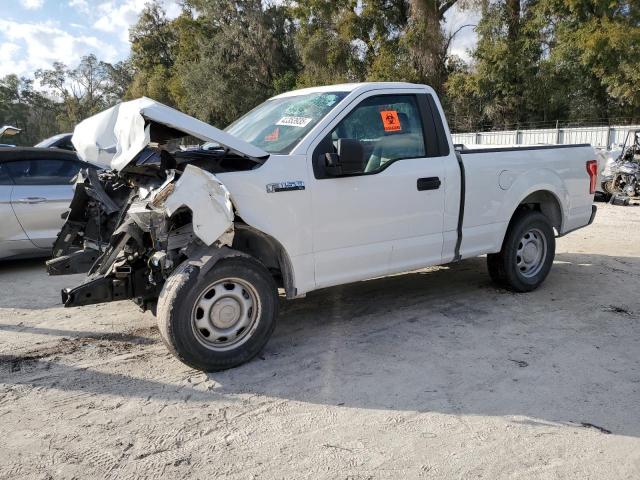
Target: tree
x,y
246,56
427,43
324,41
24,107
595,45
83,91
153,44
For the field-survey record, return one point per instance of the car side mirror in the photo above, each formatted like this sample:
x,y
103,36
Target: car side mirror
x,y
348,160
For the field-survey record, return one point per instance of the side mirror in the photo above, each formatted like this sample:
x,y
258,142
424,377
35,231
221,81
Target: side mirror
x,y
348,160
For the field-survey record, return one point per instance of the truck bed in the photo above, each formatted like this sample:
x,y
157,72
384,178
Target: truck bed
x,y
497,178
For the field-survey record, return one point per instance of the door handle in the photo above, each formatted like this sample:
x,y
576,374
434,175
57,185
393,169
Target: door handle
x,y
429,183
31,200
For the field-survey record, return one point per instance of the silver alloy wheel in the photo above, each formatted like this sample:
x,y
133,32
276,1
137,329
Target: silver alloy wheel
x,y
531,253
225,314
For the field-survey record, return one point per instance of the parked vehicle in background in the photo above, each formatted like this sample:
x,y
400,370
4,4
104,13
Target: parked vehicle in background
x,y
36,187
61,141
8,131
313,188
621,172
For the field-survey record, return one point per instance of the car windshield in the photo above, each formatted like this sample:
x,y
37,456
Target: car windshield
x,y
277,125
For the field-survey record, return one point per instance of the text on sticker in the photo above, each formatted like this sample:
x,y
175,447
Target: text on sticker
x,y
294,121
390,121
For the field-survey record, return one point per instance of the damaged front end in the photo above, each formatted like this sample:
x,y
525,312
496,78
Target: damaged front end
x,y
130,226
129,230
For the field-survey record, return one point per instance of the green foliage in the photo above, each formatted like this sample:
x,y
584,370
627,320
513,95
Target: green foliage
x,y
535,61
23,107
542,60
244,55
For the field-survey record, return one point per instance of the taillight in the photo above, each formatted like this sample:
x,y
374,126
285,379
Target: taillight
x,y
592,170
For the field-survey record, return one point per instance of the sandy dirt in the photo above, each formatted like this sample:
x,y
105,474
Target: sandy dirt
x,y
433,374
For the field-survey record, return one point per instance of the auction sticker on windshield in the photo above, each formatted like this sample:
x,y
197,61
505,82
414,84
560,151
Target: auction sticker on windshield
x,y
294,121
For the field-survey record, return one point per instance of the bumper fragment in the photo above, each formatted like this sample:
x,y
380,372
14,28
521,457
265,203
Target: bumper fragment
x,y
76,262
123,284
99,290
594,209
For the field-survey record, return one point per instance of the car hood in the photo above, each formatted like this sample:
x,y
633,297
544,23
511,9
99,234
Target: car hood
x,y
114,137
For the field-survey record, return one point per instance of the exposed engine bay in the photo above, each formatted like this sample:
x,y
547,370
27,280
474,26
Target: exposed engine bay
x,y
128,230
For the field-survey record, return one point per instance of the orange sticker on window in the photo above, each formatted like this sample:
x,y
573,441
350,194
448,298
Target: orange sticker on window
x,y
273,136
390,121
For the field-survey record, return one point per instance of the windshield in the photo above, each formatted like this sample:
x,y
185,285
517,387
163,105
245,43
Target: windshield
x,y
279,124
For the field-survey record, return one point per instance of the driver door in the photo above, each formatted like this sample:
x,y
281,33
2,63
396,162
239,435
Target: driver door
x,y
387,216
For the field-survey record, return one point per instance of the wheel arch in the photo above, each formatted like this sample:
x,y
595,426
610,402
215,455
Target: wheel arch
x,y
544,199
547,203
269,251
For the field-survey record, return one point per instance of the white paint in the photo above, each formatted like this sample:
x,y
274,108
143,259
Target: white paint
x,y
126,127
209,201
356,228
94,137
340,230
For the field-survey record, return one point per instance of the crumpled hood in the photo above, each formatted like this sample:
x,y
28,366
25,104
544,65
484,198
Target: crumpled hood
x,y
115,136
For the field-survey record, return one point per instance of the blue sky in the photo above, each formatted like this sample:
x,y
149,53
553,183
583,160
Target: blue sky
x,y
35,33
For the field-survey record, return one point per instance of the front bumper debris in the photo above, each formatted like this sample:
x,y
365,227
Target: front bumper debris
x,y
129,232
594,209
125,285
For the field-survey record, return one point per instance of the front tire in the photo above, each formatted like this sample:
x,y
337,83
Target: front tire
x,y
219,320
527,253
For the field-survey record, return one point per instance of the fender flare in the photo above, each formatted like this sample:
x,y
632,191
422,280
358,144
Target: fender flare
x,y
206,257
528,183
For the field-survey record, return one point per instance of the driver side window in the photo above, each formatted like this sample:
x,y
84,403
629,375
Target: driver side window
x,y
388,127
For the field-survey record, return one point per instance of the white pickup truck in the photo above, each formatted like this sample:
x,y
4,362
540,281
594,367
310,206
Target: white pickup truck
x,y
313,188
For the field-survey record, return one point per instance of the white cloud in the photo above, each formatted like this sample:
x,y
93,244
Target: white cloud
x,y
466,38
32,4
30,46
80,5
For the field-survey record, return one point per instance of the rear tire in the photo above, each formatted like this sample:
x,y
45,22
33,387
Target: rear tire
x,y
527,253
221,319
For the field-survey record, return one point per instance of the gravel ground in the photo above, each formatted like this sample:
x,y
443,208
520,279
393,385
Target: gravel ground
x,y
432,374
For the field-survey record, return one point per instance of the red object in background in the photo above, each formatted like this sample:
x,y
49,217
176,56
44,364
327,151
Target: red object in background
x,y
592,170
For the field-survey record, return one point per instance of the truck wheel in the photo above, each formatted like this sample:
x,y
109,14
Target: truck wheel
x,y
221,319
527,253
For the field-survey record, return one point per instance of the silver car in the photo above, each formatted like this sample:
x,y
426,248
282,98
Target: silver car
x,y
35,190
62,141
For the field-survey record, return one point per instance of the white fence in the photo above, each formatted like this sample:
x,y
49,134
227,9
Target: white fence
x,y
601,137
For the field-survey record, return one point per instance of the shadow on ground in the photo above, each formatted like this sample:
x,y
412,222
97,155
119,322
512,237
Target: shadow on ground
x,y
19,290
449,341
444,341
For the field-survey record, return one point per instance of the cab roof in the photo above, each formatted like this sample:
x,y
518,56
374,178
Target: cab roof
x,y
351,87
